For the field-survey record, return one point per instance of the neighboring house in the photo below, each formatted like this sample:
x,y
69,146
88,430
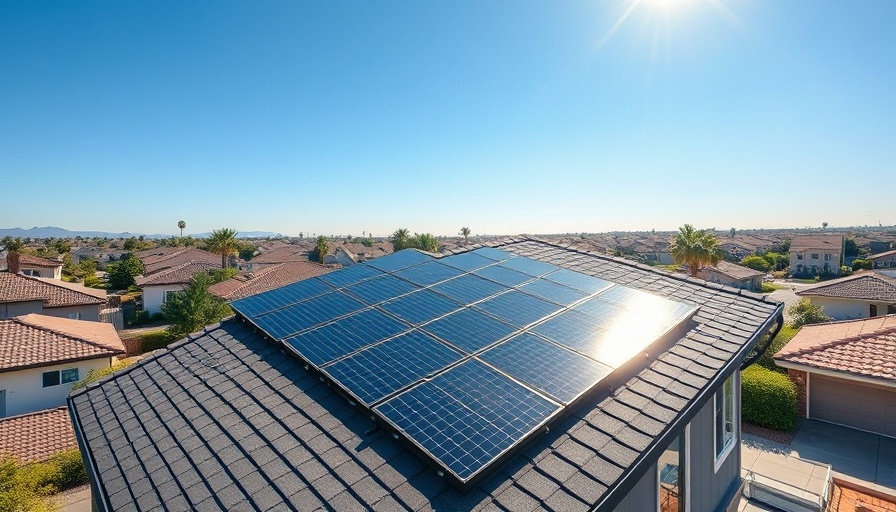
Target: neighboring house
x,y
884,260
846,372
159,287
37,436
165,258
268,278
40,267
342,256
233,419
41,357
733,275
275,256
811,255
861,295
20,295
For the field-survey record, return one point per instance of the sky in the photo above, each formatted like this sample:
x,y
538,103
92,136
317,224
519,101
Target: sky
x,y
505,116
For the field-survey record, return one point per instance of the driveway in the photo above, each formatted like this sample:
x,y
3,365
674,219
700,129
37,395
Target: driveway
x,y
788,295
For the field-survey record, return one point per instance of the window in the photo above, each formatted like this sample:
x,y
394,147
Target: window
x,y
872,310
827,257
725,425
672,471
56,378
74,316
814,255
32,273
799,256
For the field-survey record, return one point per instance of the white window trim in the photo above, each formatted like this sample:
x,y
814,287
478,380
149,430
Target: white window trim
x,y
722,457
687,472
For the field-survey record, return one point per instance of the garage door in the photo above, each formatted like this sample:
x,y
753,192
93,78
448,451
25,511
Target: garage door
x,y
854,405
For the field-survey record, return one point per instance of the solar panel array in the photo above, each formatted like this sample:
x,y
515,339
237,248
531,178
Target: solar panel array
x,y
467,355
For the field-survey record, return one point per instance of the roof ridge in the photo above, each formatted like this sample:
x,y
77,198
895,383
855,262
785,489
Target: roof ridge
x,y
61,333
34,413
836,343
812,326
847,279
54,285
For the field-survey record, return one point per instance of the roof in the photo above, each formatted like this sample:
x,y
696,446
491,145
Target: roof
x,y
281,255
162,258
37,261
180,274
820,242
37,436
20,288
882,255
99,293
864,347
30,341
871,286
239,423
735,271
244,285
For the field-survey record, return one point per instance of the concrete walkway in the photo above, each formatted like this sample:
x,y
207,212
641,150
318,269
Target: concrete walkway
x,y
75,500
774,466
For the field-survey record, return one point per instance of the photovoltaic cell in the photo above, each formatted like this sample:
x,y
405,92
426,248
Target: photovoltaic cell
x,y
428,273
466,427
518,308
467,261
553,292
420,307
275,299
494,254
338,339
503,275
469,329
378,289
559,372
598,308
349,275
468,288
577,280
532,267
298,317
382,369
399,260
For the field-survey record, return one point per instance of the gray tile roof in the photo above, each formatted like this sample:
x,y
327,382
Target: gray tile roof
x,y
870,286
227,420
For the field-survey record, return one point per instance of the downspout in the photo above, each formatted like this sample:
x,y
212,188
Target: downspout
x,y
98,500
762,350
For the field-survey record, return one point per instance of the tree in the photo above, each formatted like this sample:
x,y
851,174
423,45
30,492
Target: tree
x,y
301,235
321,248
182,225
695,248
425,242
13,248
195,307
824,225
121,274
756,263
466,234
401,239
223,241
804,312
247,250
732,232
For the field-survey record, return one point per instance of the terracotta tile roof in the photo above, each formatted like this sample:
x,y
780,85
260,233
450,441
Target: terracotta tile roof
x,y
280,255
36,340
180,274
864,347
157,260
78,287
821,242
19,288
735,271
861,286
37,261
37,436
269,278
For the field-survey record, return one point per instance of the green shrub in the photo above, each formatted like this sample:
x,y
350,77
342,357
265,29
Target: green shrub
x,y
756,263
860,264
804,312
27,487
765,360
67,469
156,340
768,399
95,375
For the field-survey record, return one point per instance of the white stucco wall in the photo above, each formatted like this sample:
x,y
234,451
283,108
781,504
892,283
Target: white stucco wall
x,y
25,391
54,273
11,309
846,309
807,261
89,312
154,296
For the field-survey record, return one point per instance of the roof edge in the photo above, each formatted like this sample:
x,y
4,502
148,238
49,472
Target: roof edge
x,y
839,374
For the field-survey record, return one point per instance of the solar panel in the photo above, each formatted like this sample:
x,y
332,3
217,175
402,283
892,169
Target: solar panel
x,y
420,307
468,288
467,417
503,275
350,275
556,293
382,369
467,261
275,299
298,317
378,289
428,273
334,340
518,308
532,267
399,260
559,372
494,254
577,280
469,329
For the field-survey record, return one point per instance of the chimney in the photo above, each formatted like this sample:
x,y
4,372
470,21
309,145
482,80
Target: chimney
x,y
13,264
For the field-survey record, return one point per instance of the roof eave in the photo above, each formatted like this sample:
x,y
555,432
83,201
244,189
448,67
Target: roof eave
x,y
110,353
839,374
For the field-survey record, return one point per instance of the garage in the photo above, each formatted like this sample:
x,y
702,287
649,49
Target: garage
x,y
852,404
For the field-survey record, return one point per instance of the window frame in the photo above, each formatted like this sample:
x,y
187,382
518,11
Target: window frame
x,y
44,376
684,477
814,255
799,256
60,379
722,456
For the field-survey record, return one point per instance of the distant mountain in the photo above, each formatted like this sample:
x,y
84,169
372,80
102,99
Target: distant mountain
x,y
54,232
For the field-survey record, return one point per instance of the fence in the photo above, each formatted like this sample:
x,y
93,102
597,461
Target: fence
x,y
113,316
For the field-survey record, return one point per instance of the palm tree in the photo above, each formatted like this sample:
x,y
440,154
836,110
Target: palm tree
x,y
695,248
466,233
401,239
181,224
223,241
322,248
425,242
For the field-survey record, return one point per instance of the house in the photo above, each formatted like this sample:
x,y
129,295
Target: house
x,y
41,357
883,260
20,295
733,275
846,372
37,436
861,295
811,255
232,418
159,287
268,278
276,256
342,256
40,267
165,258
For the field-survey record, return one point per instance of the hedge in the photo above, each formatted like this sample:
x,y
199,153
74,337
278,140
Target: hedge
x,y
27,487
769,399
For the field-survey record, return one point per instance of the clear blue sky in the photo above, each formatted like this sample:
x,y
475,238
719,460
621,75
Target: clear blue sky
x,y
516,116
